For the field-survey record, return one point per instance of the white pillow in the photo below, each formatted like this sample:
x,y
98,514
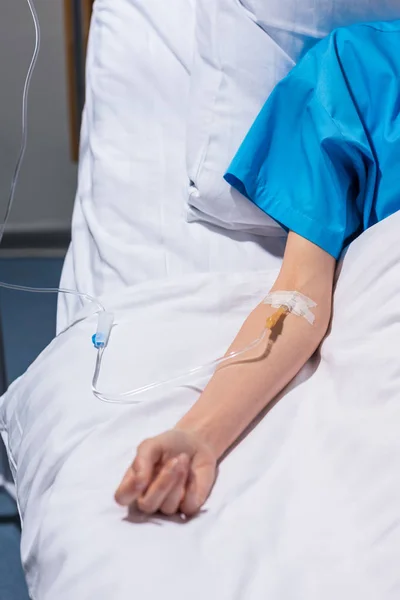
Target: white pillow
x,y
132,176
242,50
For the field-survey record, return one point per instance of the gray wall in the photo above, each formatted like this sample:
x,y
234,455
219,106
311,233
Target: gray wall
x,y
45,195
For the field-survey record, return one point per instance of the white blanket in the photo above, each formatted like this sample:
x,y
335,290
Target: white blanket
x,y
307,506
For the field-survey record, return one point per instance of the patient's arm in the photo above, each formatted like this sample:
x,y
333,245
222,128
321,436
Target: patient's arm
x,y
177,469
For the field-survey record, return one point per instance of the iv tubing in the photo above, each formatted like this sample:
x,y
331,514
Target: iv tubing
x,y
18,166
122,397
296,303
179,379
25,97
23,288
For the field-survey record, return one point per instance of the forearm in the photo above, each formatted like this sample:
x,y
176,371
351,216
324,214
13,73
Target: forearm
x,y
177,468
237,393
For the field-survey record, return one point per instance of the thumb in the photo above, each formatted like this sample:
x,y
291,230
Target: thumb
x,y
201,481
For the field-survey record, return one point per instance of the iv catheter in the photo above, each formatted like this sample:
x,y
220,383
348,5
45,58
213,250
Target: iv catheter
x,y
285,302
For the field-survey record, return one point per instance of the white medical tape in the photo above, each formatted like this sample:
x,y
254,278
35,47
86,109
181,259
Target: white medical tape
x,y
296,303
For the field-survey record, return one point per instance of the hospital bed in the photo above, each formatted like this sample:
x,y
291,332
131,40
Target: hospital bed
x,y
308,504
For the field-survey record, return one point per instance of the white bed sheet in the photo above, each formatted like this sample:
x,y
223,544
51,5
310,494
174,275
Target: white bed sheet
x,y
306,507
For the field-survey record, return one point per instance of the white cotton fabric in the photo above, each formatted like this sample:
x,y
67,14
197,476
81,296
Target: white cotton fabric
x,y
243,48
306,506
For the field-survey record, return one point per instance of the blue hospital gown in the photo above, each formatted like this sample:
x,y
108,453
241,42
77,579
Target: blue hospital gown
x,y
323,156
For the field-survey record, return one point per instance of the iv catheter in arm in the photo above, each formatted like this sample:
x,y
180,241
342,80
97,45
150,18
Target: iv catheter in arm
x,y
285,302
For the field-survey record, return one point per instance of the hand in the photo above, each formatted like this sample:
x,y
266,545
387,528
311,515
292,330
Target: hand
x,y
173,472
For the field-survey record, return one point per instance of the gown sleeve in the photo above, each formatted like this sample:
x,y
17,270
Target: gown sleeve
x,y
307,161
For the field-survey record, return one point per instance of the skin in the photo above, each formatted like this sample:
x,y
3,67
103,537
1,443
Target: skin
x,y
174,472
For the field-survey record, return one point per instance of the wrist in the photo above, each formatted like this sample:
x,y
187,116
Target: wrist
x,y
204,433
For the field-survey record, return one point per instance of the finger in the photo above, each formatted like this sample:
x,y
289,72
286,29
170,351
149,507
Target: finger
x,y
129,489
171,504
201,481
160,488
149,453
139,475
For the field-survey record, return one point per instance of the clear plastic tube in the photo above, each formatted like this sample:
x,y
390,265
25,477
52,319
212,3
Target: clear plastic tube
x,y
297,302
124,397
130,397
23,288
25,97
285,302
18,166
